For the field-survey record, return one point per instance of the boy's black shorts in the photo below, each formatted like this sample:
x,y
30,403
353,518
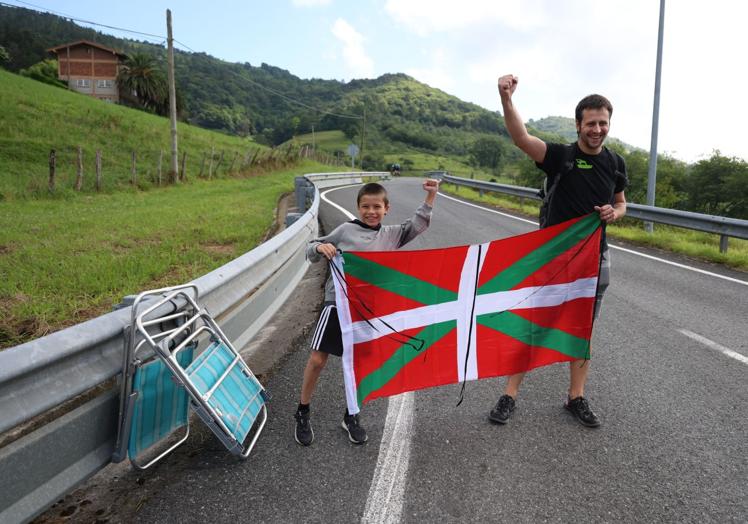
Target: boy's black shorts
x,y
327,336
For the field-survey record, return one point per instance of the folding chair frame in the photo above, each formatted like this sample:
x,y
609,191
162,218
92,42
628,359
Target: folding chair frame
x,y
201,322
132,362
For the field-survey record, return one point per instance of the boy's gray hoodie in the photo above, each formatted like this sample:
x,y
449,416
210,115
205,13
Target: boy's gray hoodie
x,y
357,236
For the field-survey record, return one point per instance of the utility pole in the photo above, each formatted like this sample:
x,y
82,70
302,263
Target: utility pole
x,y
652,174
172,101
363,140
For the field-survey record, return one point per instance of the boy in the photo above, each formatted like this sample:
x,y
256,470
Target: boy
x,y
364,234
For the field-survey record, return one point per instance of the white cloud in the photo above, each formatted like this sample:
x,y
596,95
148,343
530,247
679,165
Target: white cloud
x,y
439,74
310,3
357,61
424,17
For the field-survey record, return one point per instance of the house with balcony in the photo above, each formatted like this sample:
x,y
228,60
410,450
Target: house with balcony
x,y
89,68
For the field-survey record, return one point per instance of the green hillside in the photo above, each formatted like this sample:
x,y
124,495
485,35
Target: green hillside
x,y
388,116
393,118
38,118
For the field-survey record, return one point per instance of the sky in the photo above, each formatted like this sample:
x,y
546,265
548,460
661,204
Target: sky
x,y
560,50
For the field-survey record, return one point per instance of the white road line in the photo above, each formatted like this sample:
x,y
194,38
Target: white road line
x,y
487,209
384,504
333,204
713,345
631,251
682,266
387,492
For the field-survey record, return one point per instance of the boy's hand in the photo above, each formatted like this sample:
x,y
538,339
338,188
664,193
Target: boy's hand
x,y
327,250
431,186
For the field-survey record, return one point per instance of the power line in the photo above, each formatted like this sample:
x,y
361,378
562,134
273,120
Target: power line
x,y
163,38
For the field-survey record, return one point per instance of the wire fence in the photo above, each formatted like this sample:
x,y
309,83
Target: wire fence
x,y
81,169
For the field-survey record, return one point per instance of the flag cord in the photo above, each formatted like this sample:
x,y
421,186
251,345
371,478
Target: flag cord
x,y
407,338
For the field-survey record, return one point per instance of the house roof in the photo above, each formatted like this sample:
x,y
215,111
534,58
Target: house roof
x,y
88,43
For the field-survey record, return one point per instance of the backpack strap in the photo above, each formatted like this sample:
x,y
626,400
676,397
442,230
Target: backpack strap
x,y
617,162
546,192
567,166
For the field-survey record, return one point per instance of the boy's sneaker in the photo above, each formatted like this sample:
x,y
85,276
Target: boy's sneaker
x,y
580,408
503,410
303,433
356,433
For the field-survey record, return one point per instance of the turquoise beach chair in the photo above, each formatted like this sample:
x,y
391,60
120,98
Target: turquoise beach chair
x,y
154,416
217,384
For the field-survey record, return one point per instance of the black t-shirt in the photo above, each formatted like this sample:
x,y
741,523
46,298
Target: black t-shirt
x,y
592,182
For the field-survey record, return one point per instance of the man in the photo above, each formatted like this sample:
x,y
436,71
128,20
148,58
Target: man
x,y
594,182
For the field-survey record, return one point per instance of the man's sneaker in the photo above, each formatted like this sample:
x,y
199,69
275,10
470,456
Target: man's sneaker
x,y
303,433
356,433
580,408
503,410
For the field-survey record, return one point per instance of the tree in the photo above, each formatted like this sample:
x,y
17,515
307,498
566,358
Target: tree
x,y
528,174
4,56
719,186
44,71
143,84
487,152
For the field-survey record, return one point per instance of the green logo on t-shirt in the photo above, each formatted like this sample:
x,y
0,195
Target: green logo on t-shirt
x,y
582,164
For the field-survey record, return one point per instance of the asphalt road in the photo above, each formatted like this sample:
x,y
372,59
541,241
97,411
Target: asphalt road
x,y
672,446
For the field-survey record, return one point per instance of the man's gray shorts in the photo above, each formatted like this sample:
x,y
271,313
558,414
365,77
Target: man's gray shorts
x,y
603,281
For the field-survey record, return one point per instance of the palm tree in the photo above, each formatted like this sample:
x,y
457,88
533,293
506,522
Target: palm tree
x,y
141,82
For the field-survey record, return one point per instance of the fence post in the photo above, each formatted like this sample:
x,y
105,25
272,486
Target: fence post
x,y
182,173
52,169
79,173
220,161
231,167
202,166
210,164
723,243
98,170
133,170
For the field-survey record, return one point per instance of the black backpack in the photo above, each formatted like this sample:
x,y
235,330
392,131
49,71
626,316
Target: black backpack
x,y
546,193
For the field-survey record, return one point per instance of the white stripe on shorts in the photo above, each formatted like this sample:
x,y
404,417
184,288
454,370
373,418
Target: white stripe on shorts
x,y
321,326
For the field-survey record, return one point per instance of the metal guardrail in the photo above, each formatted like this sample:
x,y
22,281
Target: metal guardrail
x,y
723,226
42,374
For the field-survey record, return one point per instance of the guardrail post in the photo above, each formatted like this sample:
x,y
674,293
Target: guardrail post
x,y
723,243
292,217
300,188
127,301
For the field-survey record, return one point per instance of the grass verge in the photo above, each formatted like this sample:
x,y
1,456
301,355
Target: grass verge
x,y
66,261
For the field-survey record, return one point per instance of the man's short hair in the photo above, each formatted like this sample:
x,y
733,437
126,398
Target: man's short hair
x,y
372,188
593,102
